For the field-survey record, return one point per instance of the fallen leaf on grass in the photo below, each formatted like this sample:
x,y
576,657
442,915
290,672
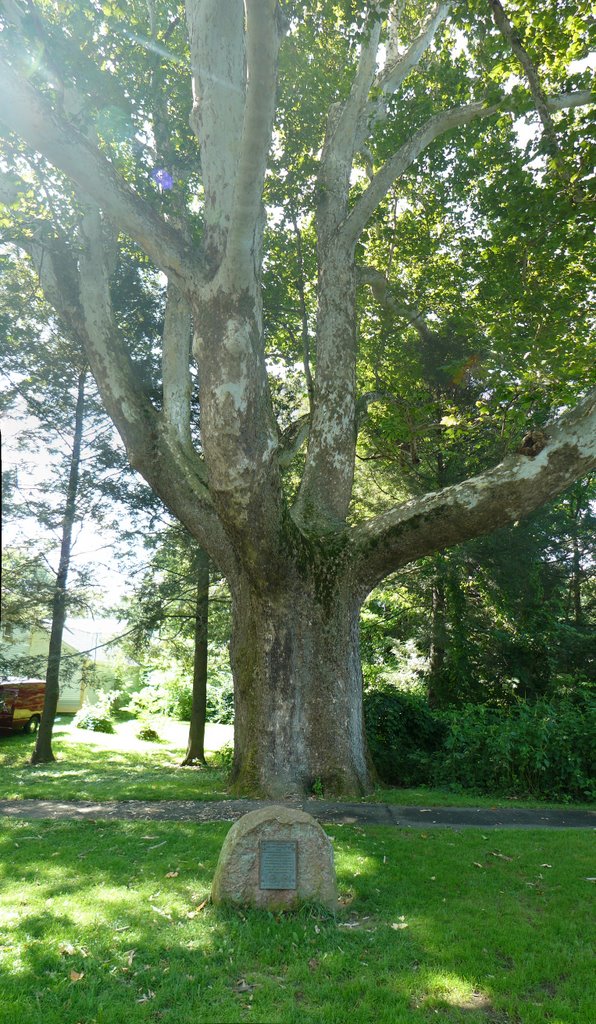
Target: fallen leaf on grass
x,y
76,975
313,964
193,913
130,955
243,986
495,853
477,865
546,865
162,913
398,925
146,997
172,874
67,949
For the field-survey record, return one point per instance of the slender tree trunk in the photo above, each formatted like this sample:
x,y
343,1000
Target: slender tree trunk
x,y
298,689
438,636
195,753
576,582
43,747
438,625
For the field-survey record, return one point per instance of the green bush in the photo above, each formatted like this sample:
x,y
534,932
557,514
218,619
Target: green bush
x,y
223,758
220,702
98,717
177,699
403,734
147,732
173,697
543,749
89,717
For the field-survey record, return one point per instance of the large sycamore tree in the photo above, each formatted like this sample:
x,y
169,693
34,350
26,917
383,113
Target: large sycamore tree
x,y
157,133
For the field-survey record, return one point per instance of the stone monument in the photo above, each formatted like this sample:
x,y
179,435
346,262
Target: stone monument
x,y
276,858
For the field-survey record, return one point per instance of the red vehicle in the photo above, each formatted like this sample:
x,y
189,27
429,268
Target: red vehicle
x,y
21,704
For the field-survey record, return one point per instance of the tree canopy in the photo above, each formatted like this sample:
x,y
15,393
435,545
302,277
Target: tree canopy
x,y
373,219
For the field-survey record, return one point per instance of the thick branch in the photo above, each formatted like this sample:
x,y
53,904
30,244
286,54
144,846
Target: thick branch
x,y
403,159
263,37
29,114
175,473
177,382
326,487
346,126
480,505
395,71
216,35
292,439
380,288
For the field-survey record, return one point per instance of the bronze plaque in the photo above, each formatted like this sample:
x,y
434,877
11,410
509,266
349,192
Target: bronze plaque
x,y
277,864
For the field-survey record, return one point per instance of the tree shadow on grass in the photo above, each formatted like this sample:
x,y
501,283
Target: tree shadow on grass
x,y
129,898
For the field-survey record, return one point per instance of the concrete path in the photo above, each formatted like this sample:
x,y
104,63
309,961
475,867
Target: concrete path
x,y
337,813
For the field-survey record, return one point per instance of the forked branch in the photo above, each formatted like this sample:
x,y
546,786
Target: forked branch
x,y
407,154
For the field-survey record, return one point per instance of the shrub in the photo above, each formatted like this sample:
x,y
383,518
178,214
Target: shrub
x,y
147,701
224,757
220,702
171,695
543,749
89,717
403,734
98,717
177,699
147,732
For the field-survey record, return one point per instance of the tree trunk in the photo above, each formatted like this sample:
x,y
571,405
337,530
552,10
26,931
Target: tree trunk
x,y
298,690
42,752
576,579
438,637
438,623
195,753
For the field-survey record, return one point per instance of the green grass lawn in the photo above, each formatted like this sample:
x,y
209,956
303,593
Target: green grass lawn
x,y
119,766
99,766
105,923
426,797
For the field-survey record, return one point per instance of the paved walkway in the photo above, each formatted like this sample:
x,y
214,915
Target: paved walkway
x,y
338,813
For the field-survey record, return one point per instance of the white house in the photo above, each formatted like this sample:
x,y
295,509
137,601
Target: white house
x,y
83,670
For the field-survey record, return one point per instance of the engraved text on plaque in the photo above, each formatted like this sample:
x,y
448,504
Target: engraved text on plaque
x,y
277,864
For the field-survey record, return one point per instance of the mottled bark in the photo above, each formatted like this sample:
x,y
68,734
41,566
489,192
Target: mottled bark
x,y
480,504
43,745
326,487
298,686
